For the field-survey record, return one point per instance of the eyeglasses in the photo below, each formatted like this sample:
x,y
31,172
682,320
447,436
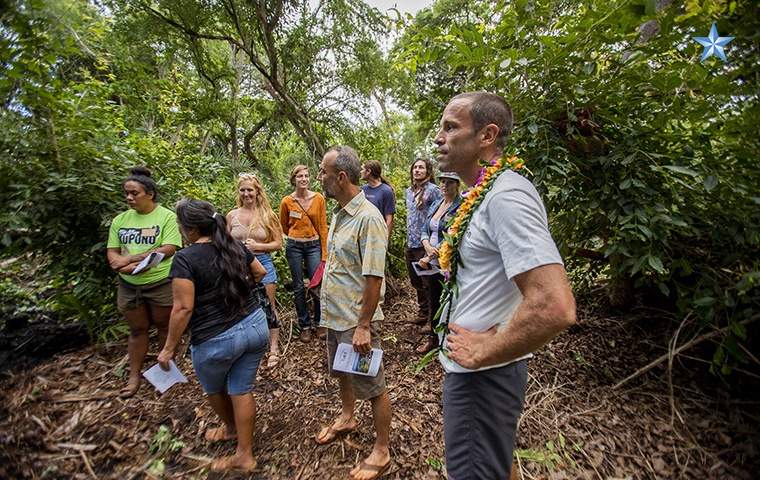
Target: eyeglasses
x,y
247,174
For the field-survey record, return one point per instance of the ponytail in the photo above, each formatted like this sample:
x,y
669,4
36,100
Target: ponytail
x,y
230,257
376,170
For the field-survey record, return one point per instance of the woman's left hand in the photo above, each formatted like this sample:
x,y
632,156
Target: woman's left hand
x,y
164,357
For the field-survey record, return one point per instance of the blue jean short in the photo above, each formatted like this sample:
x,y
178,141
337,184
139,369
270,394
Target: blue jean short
x,y
266,260
231,359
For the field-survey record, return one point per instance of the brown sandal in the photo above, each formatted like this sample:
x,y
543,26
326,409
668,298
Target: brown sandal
x,y
332,434
224,465
218,434
378,470
427,346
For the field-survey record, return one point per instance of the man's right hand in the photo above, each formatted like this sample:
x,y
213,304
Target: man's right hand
x,y
362,340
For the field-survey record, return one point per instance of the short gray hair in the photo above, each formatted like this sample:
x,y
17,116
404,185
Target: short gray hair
x,y
347,161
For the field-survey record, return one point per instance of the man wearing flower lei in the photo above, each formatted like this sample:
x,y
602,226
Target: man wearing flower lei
x,y
507,293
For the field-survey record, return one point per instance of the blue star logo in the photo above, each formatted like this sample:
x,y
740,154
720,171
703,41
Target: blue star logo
x,y
713,44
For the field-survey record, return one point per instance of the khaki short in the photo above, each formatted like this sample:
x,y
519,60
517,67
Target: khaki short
x,y
364,387
129,296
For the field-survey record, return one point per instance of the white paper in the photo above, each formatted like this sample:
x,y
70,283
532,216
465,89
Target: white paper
x,y
421,272
349,361
150,261
161,379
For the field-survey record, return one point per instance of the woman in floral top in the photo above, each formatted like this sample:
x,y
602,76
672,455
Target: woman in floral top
x,y
419,196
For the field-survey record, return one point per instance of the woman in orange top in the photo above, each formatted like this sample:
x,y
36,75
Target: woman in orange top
x,y
304,220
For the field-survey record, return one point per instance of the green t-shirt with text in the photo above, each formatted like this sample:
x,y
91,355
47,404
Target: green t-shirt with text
x,y
135,234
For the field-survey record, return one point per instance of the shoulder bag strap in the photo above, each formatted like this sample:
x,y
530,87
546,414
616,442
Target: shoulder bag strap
x,y
306,213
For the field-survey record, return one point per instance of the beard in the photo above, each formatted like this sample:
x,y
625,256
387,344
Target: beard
x,y
328,191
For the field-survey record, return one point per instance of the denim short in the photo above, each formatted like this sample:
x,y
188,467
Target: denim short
x,y
231,359
266,260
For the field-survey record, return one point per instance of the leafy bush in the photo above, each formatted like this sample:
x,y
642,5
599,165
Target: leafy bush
x,y
645,156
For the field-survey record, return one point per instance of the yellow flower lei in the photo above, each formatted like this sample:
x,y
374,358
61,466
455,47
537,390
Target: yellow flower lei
x,y
468,207
448,253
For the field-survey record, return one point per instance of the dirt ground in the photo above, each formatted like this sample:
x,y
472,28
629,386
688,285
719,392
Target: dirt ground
x,y
62,418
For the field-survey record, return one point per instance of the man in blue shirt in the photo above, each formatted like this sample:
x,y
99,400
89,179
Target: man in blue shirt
x,y
379,192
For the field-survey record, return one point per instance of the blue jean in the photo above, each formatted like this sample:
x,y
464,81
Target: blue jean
x,y
297,254
231,359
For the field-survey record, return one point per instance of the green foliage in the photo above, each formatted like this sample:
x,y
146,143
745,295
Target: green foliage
x,y
59,163
396,253
557,455
434,463
281,65
646,157
88,93
15,299
163,443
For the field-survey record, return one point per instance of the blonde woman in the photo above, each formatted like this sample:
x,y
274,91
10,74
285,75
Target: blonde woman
x,y
256,225
303,217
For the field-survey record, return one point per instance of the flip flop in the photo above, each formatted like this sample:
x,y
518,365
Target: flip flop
x,y
224,464
129,390
218,434
332,434
378,470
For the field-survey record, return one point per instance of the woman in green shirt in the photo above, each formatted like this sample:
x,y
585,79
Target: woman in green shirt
x,y
144,297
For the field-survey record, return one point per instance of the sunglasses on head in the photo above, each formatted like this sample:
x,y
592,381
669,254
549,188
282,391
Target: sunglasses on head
x,y
247,174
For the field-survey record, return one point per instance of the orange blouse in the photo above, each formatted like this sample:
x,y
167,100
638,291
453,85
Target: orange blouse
x,y
299,224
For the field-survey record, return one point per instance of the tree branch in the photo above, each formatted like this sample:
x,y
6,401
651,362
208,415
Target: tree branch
x,y
694,341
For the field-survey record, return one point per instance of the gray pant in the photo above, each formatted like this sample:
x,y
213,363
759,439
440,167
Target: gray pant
x,y
480,413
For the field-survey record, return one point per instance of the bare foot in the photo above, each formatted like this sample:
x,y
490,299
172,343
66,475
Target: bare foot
x,y
274,359
132,387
